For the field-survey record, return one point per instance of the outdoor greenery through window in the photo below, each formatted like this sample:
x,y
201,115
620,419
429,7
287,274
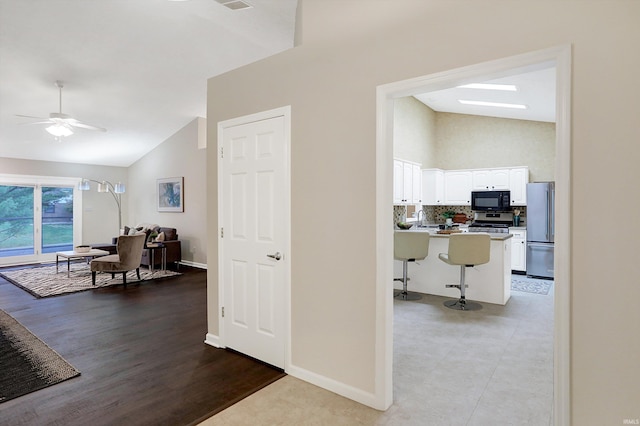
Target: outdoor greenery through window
x,y
19,225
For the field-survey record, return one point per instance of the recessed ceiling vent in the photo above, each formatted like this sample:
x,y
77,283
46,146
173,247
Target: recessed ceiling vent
x,y
235,4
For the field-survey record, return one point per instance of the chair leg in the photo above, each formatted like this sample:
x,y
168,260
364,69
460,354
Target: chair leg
x,y
124,278
462,304
404,294
93,277
138,273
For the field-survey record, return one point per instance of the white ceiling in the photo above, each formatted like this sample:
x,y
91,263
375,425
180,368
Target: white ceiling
x,y
536,89
138,68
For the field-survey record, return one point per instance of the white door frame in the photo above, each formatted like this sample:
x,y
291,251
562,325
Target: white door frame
x,y
386,94
284,112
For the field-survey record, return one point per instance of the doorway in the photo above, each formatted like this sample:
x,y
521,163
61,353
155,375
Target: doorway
x,y
495,69
254,240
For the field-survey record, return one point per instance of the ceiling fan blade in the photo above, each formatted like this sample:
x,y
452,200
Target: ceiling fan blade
x,y
76,123
31,116
36,122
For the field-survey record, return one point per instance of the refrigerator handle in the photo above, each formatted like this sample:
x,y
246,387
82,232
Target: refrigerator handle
x,y
552,216
547,232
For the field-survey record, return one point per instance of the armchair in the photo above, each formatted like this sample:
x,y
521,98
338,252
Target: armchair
x,y
128,258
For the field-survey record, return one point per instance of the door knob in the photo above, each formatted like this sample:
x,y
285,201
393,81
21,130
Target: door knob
x,y
276,255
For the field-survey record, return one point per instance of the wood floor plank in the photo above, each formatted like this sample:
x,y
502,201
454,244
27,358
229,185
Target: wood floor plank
x,y
141,353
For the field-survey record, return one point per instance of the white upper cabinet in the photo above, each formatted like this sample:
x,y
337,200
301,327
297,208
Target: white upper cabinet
x,y
407,182
518,179
433,187
457,187
490,180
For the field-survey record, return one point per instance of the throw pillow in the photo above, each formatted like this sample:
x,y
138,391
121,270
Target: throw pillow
x,y
132,231
160,237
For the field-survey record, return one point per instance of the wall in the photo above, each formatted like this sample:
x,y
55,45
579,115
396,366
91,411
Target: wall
x,y
177,156
99,210
348,49
473,141
414,132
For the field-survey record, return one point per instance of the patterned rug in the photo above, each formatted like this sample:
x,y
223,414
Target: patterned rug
x,y
530,285
28,364
44,281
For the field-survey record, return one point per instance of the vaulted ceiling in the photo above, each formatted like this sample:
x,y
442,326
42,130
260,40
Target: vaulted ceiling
x,y
137,68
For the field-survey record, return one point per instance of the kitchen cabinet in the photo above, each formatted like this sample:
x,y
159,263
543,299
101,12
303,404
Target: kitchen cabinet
x,y
407,182
457,187
491,179
433,187
518,179
518,250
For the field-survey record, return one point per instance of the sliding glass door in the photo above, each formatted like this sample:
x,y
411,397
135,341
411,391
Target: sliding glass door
x,y
16,221
39,216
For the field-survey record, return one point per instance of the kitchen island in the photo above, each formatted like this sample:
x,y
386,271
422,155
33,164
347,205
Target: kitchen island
x,y
490,283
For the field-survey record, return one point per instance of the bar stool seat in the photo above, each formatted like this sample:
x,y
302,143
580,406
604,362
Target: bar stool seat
x,y
409,246
466,250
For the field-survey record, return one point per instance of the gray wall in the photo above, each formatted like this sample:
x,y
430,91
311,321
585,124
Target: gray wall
x,y
177,156
348,49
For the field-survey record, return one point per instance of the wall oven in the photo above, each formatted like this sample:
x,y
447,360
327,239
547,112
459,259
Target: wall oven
x,y
491,201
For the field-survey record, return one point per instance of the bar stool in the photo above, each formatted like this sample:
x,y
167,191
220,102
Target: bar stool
x,y
466,250
408,247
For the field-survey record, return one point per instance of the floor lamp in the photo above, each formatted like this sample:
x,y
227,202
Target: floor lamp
x,y
106,186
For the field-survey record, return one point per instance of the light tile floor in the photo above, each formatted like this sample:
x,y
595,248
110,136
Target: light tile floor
x,y
487,367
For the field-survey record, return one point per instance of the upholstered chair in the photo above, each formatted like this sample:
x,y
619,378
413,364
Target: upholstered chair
x,y
128,257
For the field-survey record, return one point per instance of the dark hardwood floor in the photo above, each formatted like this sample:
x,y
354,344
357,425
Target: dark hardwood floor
x,y
141,354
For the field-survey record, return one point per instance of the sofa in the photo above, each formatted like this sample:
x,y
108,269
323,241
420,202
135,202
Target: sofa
x,y
167,236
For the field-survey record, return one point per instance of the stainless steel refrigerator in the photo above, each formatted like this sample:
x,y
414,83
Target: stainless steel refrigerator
x,y
540,229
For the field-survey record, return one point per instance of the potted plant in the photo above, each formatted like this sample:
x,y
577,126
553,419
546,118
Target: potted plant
x,y
448,216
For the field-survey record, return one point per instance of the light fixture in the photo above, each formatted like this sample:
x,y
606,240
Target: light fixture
x,y
59,130
106,186
490,86
492,104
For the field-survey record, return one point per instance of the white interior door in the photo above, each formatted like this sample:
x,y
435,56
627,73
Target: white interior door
x,y
255,238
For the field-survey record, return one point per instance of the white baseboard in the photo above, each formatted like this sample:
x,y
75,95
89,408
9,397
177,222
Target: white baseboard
x,y
193,264
334,386
213,340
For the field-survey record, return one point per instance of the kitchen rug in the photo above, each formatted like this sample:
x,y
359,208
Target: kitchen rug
x,y
530,285
28,364
44,281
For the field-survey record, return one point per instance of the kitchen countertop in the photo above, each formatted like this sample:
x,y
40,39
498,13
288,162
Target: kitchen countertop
x,y
434,233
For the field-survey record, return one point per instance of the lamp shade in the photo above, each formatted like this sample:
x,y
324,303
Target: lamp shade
x,y
103,187
119,188
84,185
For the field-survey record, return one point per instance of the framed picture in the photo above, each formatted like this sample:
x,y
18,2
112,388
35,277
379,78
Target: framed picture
x,y
171,194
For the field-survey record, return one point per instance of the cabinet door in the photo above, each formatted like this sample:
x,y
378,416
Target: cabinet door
x,y
407,184
518,179
457,187
398,181
500,179
518,251
432,187
481,180
416,193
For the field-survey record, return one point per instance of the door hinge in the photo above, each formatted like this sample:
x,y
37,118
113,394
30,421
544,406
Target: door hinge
x,y
221,152
222,232
223,312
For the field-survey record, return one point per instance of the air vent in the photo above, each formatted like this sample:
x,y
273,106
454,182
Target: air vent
x,y
235,4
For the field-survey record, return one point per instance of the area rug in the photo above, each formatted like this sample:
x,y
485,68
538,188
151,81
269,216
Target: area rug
x,y
44,281
530,285
28,364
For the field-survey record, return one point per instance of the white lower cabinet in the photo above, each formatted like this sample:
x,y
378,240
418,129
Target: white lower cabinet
x,y
518,250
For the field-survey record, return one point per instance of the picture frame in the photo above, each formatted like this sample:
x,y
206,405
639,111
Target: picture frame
x,y
170,194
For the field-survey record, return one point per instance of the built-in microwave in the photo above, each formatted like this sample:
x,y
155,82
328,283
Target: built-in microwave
x,y
491,201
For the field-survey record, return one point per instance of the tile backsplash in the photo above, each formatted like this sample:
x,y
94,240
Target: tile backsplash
x,y
433,214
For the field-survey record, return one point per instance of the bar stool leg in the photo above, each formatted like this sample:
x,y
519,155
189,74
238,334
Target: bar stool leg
x,y
462,304
404,294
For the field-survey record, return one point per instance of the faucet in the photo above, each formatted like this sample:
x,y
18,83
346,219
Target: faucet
x,y
418,218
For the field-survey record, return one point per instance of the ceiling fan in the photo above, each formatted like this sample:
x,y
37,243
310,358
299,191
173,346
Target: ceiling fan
x,y
61,125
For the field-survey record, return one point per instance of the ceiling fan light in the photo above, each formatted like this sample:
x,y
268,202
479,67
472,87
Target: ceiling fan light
x,y
59,130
